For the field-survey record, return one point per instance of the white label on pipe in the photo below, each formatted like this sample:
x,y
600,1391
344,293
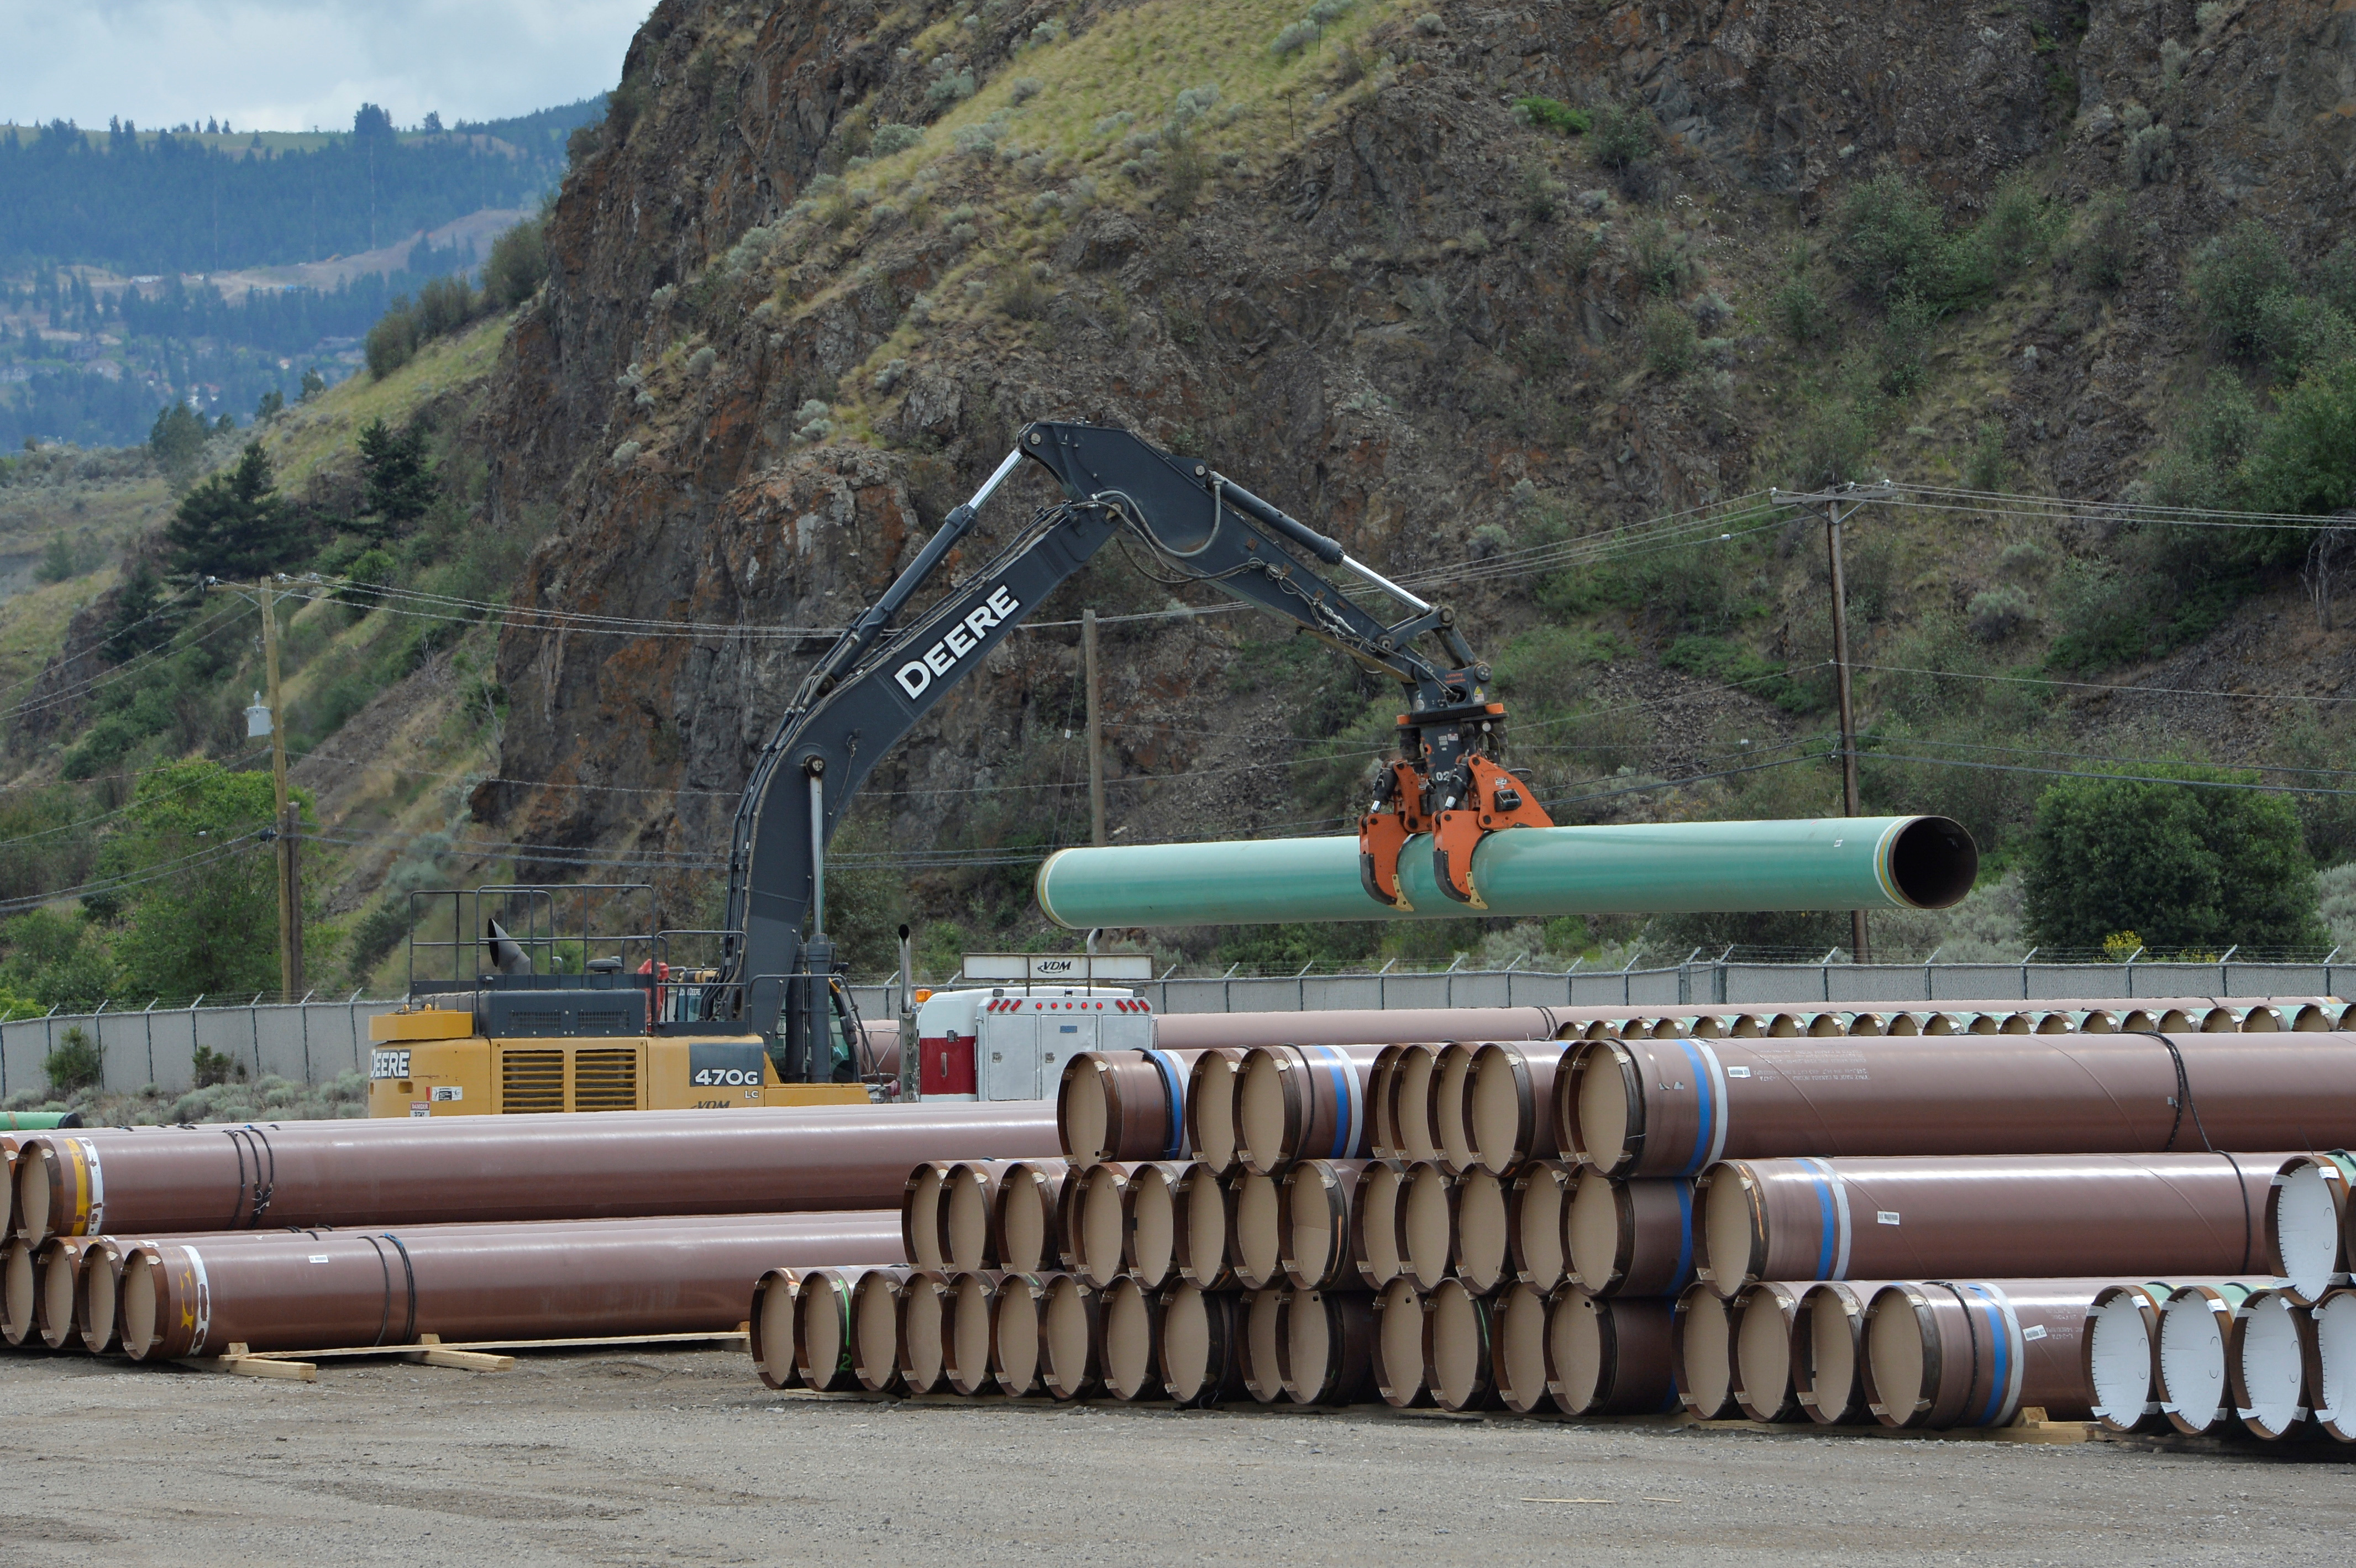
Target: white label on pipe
x,y
2034,1331
1885,1217
1738,1072
318,1257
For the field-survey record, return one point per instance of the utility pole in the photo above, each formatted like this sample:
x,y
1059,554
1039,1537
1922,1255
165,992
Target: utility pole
x,y
290,883
1829,504
1096,728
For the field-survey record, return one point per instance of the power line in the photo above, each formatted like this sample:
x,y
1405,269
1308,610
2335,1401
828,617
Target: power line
x,y
2106,685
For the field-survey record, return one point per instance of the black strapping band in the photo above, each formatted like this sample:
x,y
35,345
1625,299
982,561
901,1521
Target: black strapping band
x,y
409,1334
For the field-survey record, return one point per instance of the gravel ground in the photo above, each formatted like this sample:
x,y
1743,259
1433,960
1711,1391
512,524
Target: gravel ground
x,y
684,1457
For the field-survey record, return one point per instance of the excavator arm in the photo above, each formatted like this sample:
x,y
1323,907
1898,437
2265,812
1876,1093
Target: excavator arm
x,y
878,681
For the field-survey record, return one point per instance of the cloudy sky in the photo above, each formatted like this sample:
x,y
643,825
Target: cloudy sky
x,y
288,65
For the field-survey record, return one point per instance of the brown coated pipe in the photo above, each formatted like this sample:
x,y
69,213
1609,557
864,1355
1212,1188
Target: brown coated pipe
x,y
1426,1224
1071,1338
1458,1350
822,1358
1537,1212
876,1302
1259,1314
1124,1105
920,1214
1382,1137
2306,1223
1629,1237
1295,1102
1509,1103
1346,1026
1324,1345
966,1339
2121,1350
1402,1365
1407,1097
2000,1216
1200,1228
969,1215
1150,1220
1255,1230
1201,1347
1028,1201
1827,1346
1377,1199
1944,1354
924,1332
1611,1354
1760,1323
1669,1107
1482,1227
1517,1348
57,1268
621,1163
1131,1316
550,1280
19,1292
1210,1114
2196,1339
771,1325
1096,1238
2274,1347
1317,1214
1702,1354
1017,1315
2331,1375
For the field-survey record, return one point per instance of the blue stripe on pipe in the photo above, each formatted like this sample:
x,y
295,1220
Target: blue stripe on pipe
x,y
2003,1372
1337,1067
1173,1097
1684,1237
1825,1250
1695,1161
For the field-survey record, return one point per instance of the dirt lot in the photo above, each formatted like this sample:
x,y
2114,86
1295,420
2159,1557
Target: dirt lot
x,y
684,1457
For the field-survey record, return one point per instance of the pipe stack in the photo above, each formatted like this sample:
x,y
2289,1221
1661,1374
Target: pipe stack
x,y
164,1243
1910,1228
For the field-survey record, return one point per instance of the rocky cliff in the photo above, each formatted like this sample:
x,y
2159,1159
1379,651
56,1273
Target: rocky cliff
x,y
827,256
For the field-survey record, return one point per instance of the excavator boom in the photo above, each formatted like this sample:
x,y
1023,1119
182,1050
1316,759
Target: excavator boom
x,y
870,690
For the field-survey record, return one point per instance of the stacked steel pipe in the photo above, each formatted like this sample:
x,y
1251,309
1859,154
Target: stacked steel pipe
x,y
1636,1223
168,1242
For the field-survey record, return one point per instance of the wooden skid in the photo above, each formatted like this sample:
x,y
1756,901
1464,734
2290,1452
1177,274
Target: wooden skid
x,y
490,1354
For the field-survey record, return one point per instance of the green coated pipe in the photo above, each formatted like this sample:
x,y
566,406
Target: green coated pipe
x,y
38,1120
1649,868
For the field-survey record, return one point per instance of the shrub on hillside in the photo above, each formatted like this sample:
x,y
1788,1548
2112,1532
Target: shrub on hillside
x,y
1670,342
2232,276
1553,114
1623,136
517,265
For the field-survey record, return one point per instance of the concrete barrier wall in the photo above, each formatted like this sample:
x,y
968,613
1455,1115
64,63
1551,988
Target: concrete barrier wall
x,y
316,1041
310,1042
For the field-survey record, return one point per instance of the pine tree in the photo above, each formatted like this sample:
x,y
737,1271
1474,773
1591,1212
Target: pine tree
x,y
138,623
398,482
234,524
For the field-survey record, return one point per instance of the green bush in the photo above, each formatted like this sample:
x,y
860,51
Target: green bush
x,y
1798,312
1890,238
1985,468
2107,248
1902,354
1669,339
1999,612
77,1063
2190,868
1623,136
2232,276
1660,259
1831,447
1730,663
1553,114
518,265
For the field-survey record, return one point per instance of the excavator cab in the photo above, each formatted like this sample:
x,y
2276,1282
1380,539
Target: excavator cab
x,y
565,998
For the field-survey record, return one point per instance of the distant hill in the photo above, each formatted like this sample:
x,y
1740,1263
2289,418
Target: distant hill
x,y
150,202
